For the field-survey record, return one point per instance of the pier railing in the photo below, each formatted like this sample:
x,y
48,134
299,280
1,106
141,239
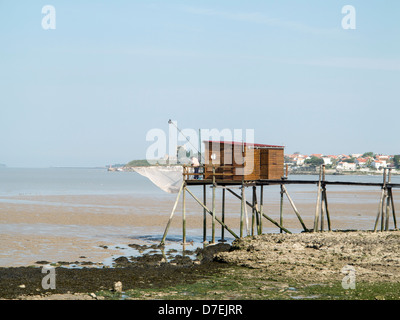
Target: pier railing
x,y
209,171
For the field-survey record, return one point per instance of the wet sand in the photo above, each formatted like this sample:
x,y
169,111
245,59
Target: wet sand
x,y
78,228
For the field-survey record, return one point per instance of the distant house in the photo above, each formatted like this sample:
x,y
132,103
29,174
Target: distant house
x,y
378,164
295,159
343,156
299,160
332,156
327,160
361,162
382,157
346,166
318,155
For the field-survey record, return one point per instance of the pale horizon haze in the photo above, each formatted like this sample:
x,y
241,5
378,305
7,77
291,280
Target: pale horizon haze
x,y
87,92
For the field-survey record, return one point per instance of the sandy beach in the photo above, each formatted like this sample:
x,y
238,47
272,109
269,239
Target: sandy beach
x,y
79,227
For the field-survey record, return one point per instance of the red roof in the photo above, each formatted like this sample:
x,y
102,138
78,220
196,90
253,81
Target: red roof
x,y
256,145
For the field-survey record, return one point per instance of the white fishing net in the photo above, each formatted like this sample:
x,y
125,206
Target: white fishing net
x,y
167,178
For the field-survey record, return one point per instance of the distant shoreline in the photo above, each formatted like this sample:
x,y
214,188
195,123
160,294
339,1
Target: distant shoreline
x,y
345,173
130,169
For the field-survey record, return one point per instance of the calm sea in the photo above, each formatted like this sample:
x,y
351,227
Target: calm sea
x,y
72,181
83,181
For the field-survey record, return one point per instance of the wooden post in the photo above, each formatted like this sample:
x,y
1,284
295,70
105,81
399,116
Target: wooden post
x,y
387,213
388,199
317,205
213,208
253,213
322,197
172,213
322,210
281,209
383,217
379,209
294,208
256,211
246,216
204,214
261,207
184,215
393,210
390,194
223,216
241,211
328,219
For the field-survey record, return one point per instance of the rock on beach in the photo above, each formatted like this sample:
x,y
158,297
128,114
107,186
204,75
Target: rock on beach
x,y
375,256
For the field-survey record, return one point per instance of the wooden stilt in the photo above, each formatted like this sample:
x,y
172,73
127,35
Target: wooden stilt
x,y
388,200
393,210
210,212
295,209
382,212
383,217
390,194
261,207
213,208
263,214
281,209
184,215
322,197
322,211
379,209
328,219
241,211
204,214
172,213
223,216
387,213
318,203
253,214
246,216
256,211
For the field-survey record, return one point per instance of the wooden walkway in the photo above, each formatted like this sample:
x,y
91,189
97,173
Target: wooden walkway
x,y
288,181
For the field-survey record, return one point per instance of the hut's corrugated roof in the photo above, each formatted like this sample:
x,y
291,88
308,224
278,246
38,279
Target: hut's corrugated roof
x,y
255,145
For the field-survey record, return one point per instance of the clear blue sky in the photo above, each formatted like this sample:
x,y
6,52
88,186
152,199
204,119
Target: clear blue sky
x,y
86,93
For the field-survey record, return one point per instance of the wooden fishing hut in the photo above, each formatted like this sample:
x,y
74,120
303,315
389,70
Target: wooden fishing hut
x,y
241,161
228,164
